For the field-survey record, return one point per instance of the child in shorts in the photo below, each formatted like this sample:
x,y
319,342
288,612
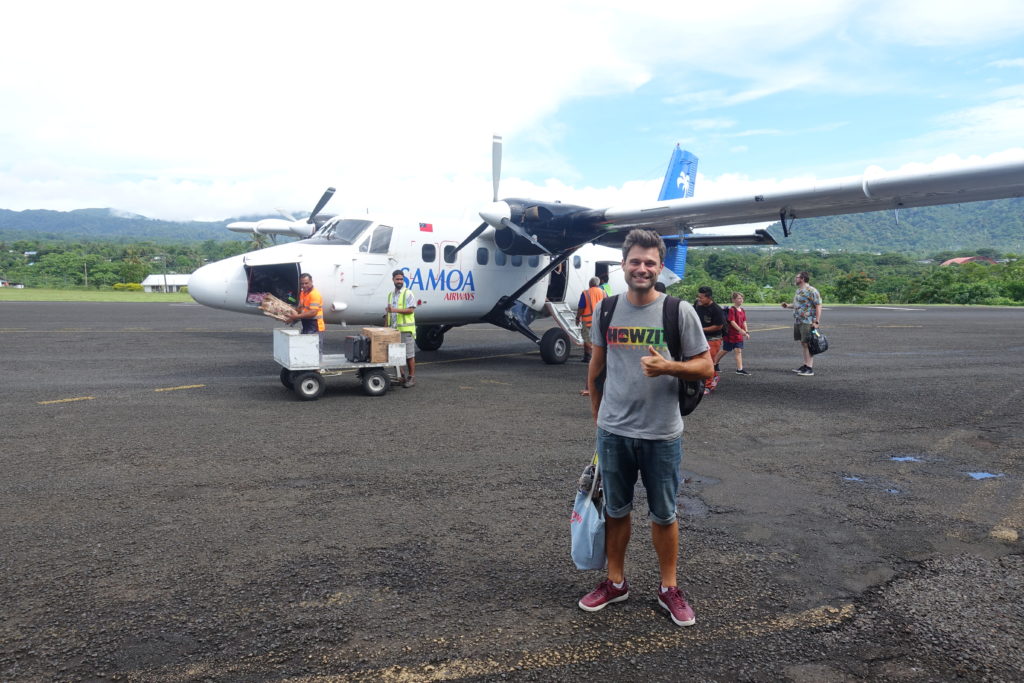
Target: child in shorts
x,y
735,332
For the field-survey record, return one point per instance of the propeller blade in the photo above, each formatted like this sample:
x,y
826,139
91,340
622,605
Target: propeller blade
x,y
525,235
472,236
320,204
496,164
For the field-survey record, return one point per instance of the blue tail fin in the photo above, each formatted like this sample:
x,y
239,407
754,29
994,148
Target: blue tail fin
x,y
675,255
680,176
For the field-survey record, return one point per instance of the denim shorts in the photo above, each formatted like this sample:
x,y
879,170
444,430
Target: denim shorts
x,y
657,462
730,346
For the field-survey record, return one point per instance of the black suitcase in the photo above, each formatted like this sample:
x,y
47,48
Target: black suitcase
x,y
357,348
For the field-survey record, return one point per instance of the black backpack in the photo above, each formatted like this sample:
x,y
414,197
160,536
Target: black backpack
x,y
726,327
690,391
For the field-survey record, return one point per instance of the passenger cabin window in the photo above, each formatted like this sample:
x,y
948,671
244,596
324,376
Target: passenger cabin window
x,y
481,256
517,260
449,253
499,258
533,261
429,253
576,262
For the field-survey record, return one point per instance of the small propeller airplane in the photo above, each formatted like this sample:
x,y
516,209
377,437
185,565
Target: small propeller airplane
x,y
289,225
532,258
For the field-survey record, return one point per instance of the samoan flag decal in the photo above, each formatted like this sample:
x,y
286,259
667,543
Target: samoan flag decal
x,y
426,227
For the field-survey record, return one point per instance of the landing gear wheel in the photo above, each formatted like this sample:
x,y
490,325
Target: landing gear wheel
x,y
376,382
429,337
309,386
286,378
554,346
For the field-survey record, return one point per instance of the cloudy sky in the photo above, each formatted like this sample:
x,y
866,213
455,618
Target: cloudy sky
x,y
208,110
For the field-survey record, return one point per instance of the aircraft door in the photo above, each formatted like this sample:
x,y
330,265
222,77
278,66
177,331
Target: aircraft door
x,y
371,264
557,281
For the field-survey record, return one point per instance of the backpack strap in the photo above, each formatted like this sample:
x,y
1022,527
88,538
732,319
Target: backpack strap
x,y
607,308
670,321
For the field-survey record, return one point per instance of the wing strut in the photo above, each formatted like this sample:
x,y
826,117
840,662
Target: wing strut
x,y
783,215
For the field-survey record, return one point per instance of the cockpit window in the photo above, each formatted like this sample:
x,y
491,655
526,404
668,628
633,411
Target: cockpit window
x,y
342,231
381,240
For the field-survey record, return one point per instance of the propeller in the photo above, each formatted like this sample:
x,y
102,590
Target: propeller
x,y
320,204
495,180
496,164
472,236
519,230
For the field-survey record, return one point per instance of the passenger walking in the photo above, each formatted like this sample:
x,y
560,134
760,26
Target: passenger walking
x,y
713,321
639,428
585,312
735,332
807,316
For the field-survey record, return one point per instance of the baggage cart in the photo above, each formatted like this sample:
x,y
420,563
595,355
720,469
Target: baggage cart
x,y
304,368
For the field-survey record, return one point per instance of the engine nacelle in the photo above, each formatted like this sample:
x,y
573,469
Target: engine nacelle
x,y
556,226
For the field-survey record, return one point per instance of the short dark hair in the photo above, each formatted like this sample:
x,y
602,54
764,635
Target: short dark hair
x,y
645,239
305,275
397,272
660,286
805,276
705,290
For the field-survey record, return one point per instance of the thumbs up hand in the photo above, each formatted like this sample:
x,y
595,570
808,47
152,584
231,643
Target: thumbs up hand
x,y
655,364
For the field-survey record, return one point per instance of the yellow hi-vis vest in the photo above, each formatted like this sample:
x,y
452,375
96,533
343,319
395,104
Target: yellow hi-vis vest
x,y
404,322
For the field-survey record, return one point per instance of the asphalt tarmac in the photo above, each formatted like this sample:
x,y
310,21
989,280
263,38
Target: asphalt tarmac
x,y
170,512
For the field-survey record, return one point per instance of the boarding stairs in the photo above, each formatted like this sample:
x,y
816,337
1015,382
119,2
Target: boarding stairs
x,y
565,317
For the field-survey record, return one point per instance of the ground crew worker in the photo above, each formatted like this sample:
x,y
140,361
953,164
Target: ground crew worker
x,y
401,312
311,308
585,312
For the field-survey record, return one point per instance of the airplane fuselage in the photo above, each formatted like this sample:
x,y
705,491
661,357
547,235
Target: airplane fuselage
x,y
351,262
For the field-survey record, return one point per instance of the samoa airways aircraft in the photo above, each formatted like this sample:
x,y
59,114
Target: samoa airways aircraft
x,y
528,258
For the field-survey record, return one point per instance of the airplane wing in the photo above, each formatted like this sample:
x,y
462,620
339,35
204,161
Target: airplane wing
x,y
274,226
873,191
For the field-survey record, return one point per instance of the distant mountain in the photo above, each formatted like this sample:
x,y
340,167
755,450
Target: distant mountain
x,y
997,224
108,225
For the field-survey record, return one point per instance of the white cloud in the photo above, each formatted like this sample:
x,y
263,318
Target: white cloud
x,y
199,109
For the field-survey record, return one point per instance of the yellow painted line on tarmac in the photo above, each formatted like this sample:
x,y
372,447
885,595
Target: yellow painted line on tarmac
x,y
184,386
65,400
771,329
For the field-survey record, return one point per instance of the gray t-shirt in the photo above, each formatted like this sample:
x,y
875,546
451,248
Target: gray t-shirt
x,y
633,405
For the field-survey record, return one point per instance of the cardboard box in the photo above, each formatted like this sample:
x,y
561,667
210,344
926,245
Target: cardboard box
x,y
380,337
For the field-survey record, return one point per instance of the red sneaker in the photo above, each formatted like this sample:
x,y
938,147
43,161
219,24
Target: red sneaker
x,y
680,611
605,594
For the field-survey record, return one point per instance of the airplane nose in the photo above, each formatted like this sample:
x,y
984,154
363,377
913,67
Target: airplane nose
x,y
215,284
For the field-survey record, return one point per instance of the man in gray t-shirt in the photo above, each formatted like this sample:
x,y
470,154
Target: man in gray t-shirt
x,y
639,429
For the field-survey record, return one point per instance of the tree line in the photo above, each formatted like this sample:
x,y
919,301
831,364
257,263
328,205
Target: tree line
x,y
101,265
764,275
